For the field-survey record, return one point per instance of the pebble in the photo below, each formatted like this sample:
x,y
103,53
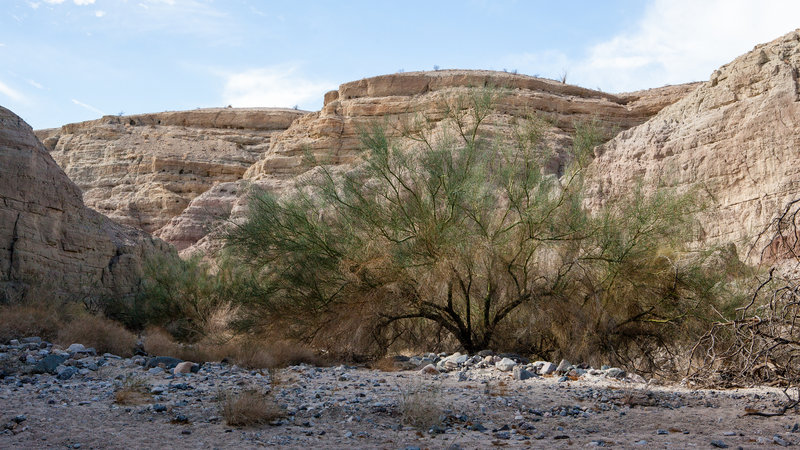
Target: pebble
x,y
780,441
718,444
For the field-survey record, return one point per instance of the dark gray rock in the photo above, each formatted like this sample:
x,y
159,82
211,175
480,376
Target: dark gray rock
x,y
66,373
520,373
49,363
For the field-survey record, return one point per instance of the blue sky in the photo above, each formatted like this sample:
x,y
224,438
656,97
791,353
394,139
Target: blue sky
x,y
64,61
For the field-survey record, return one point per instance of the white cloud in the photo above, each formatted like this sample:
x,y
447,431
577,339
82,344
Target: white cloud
x,y
12,93
278,86
2,44
54,2
685,40
675,41
35,84
87,106
34,5
83,2
99,13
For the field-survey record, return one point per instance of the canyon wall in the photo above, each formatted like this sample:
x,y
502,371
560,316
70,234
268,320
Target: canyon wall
x,y
51,245
735,141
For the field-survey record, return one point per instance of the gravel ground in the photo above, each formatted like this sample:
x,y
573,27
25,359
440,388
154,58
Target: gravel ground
x,y
478,406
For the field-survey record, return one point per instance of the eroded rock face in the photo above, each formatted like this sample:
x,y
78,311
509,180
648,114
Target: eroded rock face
x,y
144,170
331,135
178,174
48,239
735,139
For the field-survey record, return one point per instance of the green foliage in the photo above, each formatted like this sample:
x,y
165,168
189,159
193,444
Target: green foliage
x,y
182,296
464,230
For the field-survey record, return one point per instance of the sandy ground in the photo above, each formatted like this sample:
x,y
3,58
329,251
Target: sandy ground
x,y
346,407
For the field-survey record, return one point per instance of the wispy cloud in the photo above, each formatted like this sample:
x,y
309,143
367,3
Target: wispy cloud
x,y
99,13
87,106
54,2
35,84
278,86
84,2
12,93
674,42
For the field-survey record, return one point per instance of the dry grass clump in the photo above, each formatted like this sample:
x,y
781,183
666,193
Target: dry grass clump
x,y
30,319
246,352
385,364
248,408
134,391
105,335
420,407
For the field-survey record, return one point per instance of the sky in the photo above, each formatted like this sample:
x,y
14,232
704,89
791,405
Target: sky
x,y
64,61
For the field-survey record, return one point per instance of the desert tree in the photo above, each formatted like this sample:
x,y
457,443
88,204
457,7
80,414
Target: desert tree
x,y
456,223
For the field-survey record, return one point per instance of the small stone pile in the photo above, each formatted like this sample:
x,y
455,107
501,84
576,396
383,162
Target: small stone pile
x,y
519,367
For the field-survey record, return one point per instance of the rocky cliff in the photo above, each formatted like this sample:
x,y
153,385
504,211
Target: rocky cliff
x,y
331,135
143,170
48,239
735,139
175,174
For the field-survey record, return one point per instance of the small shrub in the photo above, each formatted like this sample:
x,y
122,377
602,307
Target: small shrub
x,y
248,408
105,335
247,352
26,320
187,298
385,364
420,407
134,391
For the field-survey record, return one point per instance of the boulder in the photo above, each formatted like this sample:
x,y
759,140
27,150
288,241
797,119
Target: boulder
x,y
505,364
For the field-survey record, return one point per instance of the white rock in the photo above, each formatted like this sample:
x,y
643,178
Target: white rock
x,y
76,348
505,364
547,368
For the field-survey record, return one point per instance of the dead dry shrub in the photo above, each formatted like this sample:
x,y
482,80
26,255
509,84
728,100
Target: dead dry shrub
x,y
29,319
385,364
245,351
134,391
420,406
105,335
248,408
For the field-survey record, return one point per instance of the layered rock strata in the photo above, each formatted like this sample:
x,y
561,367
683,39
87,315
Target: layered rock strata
x,y
734,140
51,245
143,170
177,174
331,136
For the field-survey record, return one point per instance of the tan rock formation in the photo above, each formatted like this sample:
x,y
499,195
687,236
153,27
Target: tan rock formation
x,y
331,135
143,170
735,138
176,174
48,238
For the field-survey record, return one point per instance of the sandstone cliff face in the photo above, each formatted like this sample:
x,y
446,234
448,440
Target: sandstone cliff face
x,y
48,238
331,135
735,138
178,174
143,170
